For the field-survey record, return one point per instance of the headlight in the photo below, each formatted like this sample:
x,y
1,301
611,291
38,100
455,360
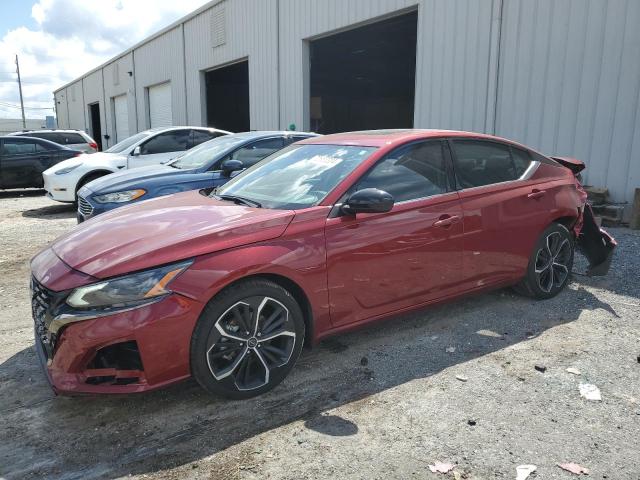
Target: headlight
x,y
129,290
64,170
120,197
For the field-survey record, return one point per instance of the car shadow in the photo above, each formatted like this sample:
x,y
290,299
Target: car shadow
x,y
52,212
109,437
31,192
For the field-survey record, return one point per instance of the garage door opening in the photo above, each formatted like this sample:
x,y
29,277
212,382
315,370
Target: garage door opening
x,y
94,113
364,78
227,97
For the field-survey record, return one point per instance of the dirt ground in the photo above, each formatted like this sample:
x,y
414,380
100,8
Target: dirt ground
x,y
380,403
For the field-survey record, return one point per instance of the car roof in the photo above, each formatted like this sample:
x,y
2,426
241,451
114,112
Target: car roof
x,y
379,138
181,127
46,130
35,139
271,133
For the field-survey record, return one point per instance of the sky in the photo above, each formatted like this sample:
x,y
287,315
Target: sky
x,y
59,40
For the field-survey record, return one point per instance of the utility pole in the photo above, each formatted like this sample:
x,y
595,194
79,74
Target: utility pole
x,y
24,122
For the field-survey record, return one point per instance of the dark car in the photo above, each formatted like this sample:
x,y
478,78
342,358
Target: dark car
x,y
330,234
23,159
200,167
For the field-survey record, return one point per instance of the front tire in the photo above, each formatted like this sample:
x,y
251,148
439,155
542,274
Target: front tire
x,y
550,265
247,339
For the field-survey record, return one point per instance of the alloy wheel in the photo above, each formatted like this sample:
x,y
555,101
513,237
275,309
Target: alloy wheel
x,y
552,262
249,340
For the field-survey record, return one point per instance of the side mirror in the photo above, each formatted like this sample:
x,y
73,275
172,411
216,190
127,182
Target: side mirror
x,y
368,200
230,166
136,151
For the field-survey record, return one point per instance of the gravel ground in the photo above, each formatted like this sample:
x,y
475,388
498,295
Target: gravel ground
x,y
380,403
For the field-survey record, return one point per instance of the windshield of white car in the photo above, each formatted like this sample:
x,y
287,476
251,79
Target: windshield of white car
x,y
127,142
299,176
205,152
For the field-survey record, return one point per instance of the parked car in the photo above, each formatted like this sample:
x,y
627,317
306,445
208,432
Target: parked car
x,y
204,166
150,147
74,139
326,235
23,159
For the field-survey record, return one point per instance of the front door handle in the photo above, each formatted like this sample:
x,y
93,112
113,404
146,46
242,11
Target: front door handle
x,y
535,193
446,220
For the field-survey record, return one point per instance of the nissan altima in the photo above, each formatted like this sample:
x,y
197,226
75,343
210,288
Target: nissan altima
x,y
327,235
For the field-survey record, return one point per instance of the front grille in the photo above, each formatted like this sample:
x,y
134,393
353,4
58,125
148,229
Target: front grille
x,y
41,303
84,207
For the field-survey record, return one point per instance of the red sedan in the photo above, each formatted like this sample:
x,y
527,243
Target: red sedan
x,y
324,236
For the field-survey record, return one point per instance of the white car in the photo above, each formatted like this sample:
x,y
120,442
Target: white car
x,y
73,139
150,147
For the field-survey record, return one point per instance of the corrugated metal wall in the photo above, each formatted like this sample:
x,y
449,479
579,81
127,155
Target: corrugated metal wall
x,y
569,80
302,20
250,32
118,82
562,76
158,61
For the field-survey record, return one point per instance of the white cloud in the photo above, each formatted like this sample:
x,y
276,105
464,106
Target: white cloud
x,y
71,38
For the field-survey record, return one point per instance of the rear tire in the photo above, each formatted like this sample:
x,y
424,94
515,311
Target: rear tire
x,y
247,339
550,265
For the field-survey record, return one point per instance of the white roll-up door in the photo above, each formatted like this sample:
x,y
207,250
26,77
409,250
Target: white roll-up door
x,y
160,105
121,116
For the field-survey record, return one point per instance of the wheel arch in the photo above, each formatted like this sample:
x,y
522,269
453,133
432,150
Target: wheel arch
x,y
567,221
101,172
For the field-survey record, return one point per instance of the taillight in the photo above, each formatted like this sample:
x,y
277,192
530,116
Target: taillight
x,y
94,145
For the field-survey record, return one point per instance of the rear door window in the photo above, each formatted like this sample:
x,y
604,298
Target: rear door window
x,y
521,160
480,163
201,136
251,154
410,172
173,141
19,146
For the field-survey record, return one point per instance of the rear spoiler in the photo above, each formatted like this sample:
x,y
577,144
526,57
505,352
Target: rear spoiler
x,y
573,164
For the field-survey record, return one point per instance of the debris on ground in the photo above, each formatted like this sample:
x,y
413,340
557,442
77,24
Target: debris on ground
x,y
540,368
462,378
574,371
523,471
472,423
450,349
590,392
440,467
574,468
364,361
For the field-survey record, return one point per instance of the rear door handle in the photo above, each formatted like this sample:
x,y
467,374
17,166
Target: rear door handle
x,y
535,193
446,221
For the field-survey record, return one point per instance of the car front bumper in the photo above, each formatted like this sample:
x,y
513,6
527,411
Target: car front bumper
x,y
59,187
131,351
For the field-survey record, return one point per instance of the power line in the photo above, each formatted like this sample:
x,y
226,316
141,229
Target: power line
x,y
11,105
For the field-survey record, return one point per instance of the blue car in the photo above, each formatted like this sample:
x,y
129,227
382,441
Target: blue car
x,y
205,166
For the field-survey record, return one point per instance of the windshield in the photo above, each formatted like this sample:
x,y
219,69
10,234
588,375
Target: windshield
x,y
127,142
206,152
296,177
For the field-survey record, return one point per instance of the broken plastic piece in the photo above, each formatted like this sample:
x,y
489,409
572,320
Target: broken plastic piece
x,y
523,471
462,378
590,392
574,371
596,244
574,468
440,467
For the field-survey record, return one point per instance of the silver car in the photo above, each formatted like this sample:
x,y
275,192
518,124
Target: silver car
x,y
74,139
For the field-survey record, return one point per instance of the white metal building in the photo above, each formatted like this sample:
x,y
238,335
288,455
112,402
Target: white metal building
x,y
562,76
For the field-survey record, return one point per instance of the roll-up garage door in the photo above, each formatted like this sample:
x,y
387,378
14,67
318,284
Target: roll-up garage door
x,y
160,105
121,115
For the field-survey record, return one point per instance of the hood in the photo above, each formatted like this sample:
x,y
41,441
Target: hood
x,y
125,179
100,158
165,230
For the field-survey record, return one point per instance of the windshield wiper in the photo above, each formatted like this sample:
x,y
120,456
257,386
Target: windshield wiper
x,y
241,200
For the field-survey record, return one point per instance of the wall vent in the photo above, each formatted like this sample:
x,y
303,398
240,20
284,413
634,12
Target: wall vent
x,y
218,26
116,74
